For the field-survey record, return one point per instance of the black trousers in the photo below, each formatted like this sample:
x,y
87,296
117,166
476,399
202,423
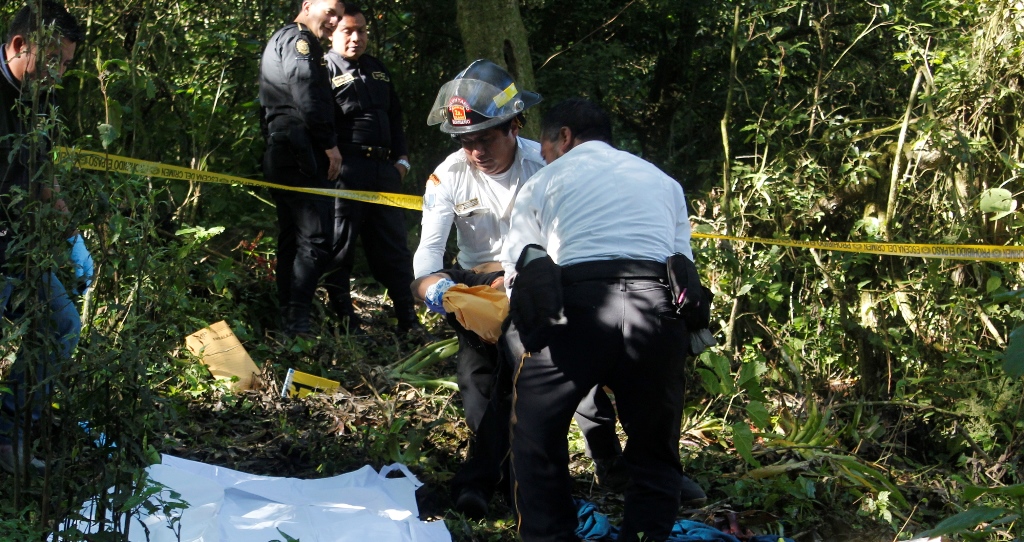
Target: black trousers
x,y
305,234
485,384
303,251
620,333
383,233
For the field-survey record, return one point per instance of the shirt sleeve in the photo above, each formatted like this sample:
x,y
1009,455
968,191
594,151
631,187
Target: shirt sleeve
x,y
436,225
525,227
682,240
301,56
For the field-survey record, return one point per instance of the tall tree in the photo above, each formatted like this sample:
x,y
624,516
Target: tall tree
x,y
493,29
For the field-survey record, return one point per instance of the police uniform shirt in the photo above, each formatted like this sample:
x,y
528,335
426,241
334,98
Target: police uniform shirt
x,y
14,169
294,88
479,205
12,173
598,203
368,110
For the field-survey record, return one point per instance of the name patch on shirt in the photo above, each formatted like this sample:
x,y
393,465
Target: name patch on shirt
x,y
381,76
467,205
342,80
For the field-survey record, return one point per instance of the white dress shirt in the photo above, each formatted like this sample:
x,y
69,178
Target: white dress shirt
x,y
599,203
479,205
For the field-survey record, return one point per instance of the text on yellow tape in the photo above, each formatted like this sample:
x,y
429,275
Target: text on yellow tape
x,y
122,164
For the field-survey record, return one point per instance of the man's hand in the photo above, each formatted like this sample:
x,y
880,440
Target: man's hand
x,y
435,296
402,165
334,155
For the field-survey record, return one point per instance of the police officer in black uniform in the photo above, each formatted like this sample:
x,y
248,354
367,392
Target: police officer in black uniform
x,y
297,118
29,57
368,121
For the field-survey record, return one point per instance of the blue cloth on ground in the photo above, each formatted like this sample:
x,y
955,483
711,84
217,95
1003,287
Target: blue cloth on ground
x,y
595,526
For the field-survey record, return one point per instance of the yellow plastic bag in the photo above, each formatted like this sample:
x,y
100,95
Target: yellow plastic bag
x,y
480,309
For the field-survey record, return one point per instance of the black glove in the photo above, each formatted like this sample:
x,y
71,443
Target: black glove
x,y
536,303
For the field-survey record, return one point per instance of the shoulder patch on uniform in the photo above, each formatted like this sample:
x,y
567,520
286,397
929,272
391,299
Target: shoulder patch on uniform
x,y
342,80
434,179
302,46
381,76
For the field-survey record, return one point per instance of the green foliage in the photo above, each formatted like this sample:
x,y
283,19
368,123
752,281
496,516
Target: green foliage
x,y
844,381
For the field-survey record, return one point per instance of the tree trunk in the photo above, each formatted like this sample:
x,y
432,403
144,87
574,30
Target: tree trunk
x,y
493,30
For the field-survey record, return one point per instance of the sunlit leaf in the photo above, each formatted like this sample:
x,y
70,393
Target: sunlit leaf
x,y
743,439
999,201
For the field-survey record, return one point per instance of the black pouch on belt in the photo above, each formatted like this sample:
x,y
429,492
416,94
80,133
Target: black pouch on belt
x,y
536,303
692,300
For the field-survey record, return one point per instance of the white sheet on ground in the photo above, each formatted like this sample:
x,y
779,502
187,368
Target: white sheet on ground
x,y
231,506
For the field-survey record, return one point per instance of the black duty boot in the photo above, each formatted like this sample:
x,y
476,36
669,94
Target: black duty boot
x,y
295,320
691,495
348,322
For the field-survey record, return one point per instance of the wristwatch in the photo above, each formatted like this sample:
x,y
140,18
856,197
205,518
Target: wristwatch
x,y
404,163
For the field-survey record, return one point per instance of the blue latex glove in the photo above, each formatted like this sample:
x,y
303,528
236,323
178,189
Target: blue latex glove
x,y
84,268
435,295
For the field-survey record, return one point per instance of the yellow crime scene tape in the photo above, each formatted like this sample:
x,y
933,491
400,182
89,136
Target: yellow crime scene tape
x,y
122,164
993,253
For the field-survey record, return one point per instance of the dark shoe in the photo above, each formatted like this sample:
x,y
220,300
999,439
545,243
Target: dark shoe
x,y
472,504
611,474
691,496
11,460
295,319
351,325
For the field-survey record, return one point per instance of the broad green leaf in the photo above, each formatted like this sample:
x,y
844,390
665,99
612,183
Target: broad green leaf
x,y
973,492
965,521
759,415
743,439
710,382
999,201
1013,357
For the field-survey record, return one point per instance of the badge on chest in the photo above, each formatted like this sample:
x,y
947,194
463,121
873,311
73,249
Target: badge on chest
x,y
342,80
467,208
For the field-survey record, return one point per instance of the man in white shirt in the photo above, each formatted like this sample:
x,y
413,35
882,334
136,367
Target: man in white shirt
x,y
474,189
609,220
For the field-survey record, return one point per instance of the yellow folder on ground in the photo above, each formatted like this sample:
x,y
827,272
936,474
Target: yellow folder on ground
x,y
221,351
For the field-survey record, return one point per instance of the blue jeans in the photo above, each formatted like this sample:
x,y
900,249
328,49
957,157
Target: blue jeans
x,y
66,326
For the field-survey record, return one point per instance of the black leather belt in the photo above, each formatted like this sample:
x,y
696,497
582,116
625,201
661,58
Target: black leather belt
x,y
614,269
374,153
